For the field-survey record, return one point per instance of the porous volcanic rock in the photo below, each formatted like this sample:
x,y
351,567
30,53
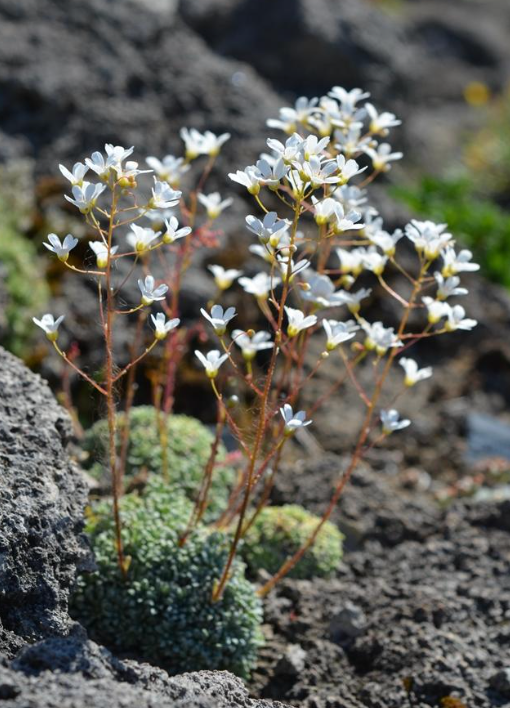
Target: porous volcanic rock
x,y
74,75
73,671
42,497
426,587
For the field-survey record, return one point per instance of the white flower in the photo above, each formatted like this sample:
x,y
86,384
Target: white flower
x,y
250,178
347,169
197,143
289,118
86,196
61,249
381,122
436,309
374,261
373,222
391,421
213,204
313,146
348,99
385,241
298,321
170,169
101,252
126,175
288,152
224,277
412,373
251,345
149,292
162,326
50,325
344,222
353,300
351,142
448,287
260,285
321,291
98,164
293,421
173,232
296,183
219,318
157,216
140,238
338,332
382,156
115,154
265,252
270,229
351,261
211,362
350,197
211,143
454,263
457,319
317,172
271,175
163,196
380,338
428,237
289,269
77,175
324,209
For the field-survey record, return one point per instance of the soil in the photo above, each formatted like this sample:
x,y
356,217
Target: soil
x,y
419,612
417,615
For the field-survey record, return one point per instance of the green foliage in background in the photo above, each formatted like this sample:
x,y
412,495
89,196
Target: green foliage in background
x,y
163,611
23,283
279,531
475,203
188,448
476,221
487,152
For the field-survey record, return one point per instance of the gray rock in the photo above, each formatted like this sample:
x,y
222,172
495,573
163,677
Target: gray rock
x,y
42,496
500,682
132,76
76,673
348,623
487,437
292,662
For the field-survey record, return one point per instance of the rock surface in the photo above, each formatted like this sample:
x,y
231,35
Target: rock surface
x,y
128,72
46,659
141,69
429,593
42,497
74,672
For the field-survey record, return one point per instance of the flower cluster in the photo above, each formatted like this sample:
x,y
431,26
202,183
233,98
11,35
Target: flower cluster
x,y
128,222
323,252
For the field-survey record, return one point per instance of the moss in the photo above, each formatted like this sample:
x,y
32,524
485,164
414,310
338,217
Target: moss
x,y
163,611
188,449
25,286
279,531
